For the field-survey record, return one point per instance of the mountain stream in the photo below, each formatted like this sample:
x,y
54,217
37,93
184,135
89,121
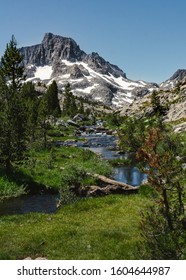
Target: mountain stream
x,y
100,143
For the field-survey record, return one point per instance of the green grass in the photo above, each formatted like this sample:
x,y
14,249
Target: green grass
x,y
9,188
100,228
183,135
49,167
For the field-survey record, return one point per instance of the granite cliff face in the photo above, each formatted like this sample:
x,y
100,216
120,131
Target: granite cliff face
x,y
52,49
90,75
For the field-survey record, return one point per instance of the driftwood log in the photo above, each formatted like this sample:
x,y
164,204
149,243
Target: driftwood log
x,y
113,182
109,186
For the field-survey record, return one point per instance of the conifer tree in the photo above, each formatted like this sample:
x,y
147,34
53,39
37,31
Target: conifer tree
x,y
11,65
32,103
69,105
164,225
158,108
52,99
81,108
42,120
13,114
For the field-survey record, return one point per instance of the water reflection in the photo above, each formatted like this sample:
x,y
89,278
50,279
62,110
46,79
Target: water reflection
x,y
129,175
45,203
106,148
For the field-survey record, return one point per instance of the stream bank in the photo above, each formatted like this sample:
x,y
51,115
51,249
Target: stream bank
x,y
100,143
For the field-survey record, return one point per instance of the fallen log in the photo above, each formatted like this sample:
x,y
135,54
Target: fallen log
x,y
106,186
90,191
112,182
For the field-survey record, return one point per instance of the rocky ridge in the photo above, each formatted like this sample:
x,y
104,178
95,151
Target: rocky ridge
x,y
90,75
93,77
172,98
174,80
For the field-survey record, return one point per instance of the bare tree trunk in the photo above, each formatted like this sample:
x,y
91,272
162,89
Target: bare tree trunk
x,y
167,209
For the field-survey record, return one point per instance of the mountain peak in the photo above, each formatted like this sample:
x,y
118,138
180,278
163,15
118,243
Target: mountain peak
x,y
47,36
179,75
51,50
90,75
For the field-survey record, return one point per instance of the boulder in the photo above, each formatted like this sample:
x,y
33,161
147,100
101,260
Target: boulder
x,y
180,127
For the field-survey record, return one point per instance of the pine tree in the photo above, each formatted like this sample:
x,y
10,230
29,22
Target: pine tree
x,y
11,65
42,120
81,108
52,99
158,108
28,91
30,96
69,105
66,102
13,112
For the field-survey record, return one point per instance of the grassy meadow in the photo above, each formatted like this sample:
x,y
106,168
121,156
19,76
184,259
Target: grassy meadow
x,y
92,228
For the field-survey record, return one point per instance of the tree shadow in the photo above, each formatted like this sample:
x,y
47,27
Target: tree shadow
x,y
22,179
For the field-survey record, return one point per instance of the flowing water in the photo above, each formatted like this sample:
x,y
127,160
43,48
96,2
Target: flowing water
x,y
104,145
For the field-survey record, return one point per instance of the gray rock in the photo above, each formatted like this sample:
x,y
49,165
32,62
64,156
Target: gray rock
x,y
98,64
90,75
76,72
174,80
184,166
180,127
52,49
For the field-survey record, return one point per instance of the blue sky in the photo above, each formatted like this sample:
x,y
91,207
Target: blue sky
x,y
145,38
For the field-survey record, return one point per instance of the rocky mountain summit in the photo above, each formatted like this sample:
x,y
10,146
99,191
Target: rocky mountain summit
x,y
91,76
61,59
51,49
174,80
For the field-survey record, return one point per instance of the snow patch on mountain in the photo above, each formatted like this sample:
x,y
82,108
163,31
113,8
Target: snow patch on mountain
x,y
168,84
174,80
61,59
39,73
44,72
88,89
120,82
